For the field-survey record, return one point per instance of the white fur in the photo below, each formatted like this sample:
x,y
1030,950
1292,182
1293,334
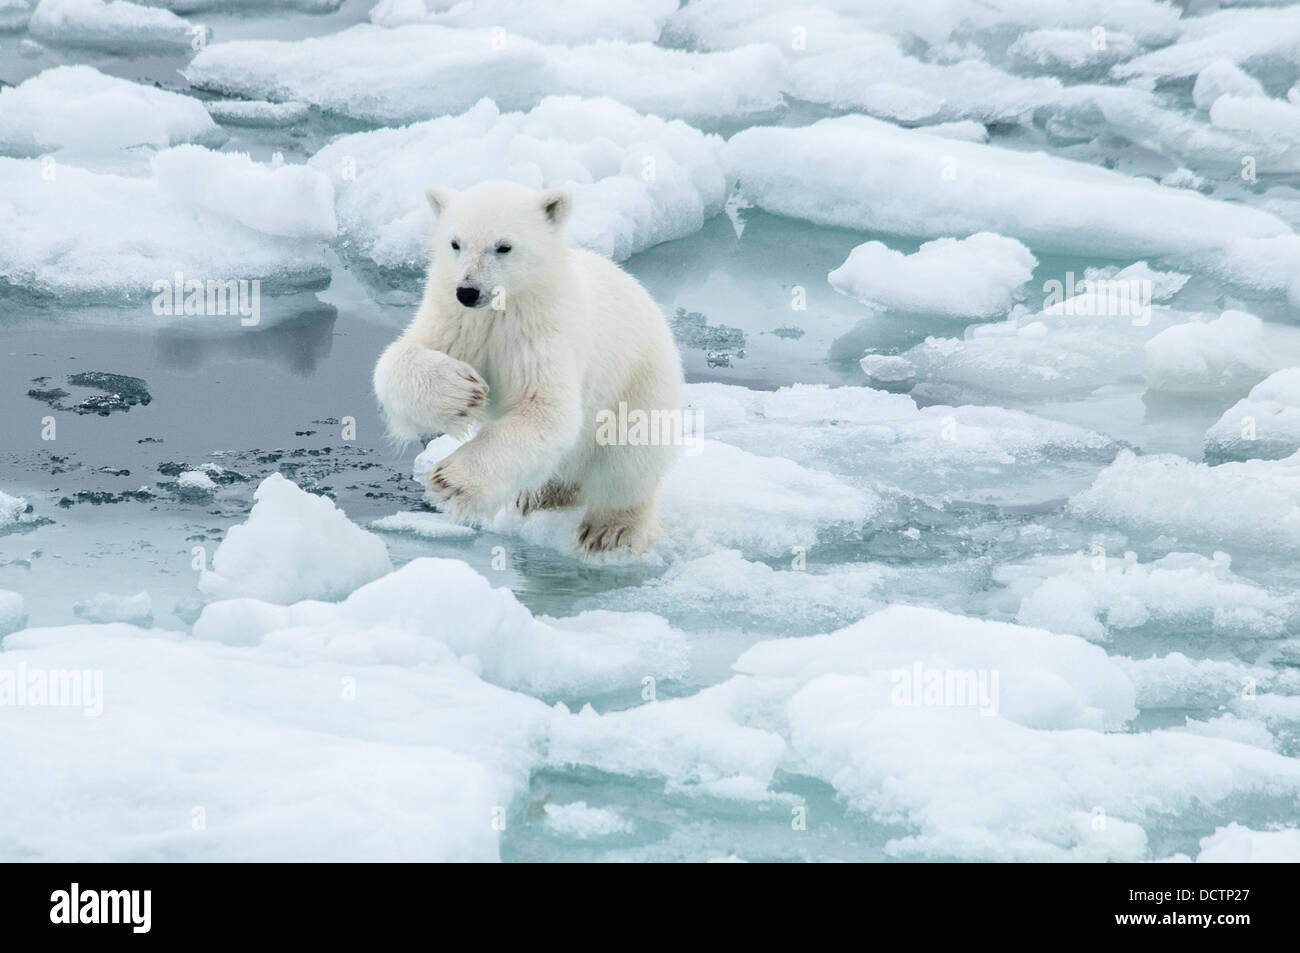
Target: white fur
x,y
564,335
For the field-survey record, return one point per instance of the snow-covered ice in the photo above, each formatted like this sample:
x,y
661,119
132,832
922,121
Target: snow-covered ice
x,y
107,607
861,173
116,25
974,277
1264,424
108,237
420,71
598,148
1237,844
1246,505
11,508
632,20
1225,356
79,109
294,546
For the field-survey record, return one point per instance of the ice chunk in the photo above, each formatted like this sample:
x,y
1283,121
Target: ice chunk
x,y
13,612
1078,343
439,609
195,485
115,27
1266,424
1259,264
719,24
972,786
1223,78
293,201
598,148
1229,726
869,436
425,525
397,763
11,508
420,71
857,172
633,20
1228,355
1175,681
1182,594
699,743
914,747
256,113
1238,505
80,109
1272,124
973,277
294,545
196,6
999,669
1060,52
106,607
578,820
1239,36
800,597
874,75
1236,844
108,237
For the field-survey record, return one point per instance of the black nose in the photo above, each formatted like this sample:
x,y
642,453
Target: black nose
x,y
467,296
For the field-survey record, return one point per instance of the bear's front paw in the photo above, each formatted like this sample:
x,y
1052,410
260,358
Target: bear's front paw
x,y
463,396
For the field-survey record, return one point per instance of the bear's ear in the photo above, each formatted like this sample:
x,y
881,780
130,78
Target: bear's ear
x,y
556,205
439,197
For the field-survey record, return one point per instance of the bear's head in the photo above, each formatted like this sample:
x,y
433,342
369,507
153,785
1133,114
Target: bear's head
x,y
495,240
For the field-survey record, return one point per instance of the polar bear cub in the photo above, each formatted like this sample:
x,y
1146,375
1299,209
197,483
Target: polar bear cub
x,y
542,345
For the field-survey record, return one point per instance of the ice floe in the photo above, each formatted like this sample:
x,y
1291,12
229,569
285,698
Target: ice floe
x,y
874,437
974,277
420,71
861,173
632,20
577,819
600,149
1183,595
115,26
295,545
107,607
1265,424
105,237
1238,506
1228,355
1241,36
13,612
11,508
83,111
1238,844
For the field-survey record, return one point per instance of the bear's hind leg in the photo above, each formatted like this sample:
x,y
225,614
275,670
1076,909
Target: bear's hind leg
x,y
605,530
555,495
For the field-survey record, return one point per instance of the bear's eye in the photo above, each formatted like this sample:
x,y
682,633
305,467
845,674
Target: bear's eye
x,y
502,248
455,245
